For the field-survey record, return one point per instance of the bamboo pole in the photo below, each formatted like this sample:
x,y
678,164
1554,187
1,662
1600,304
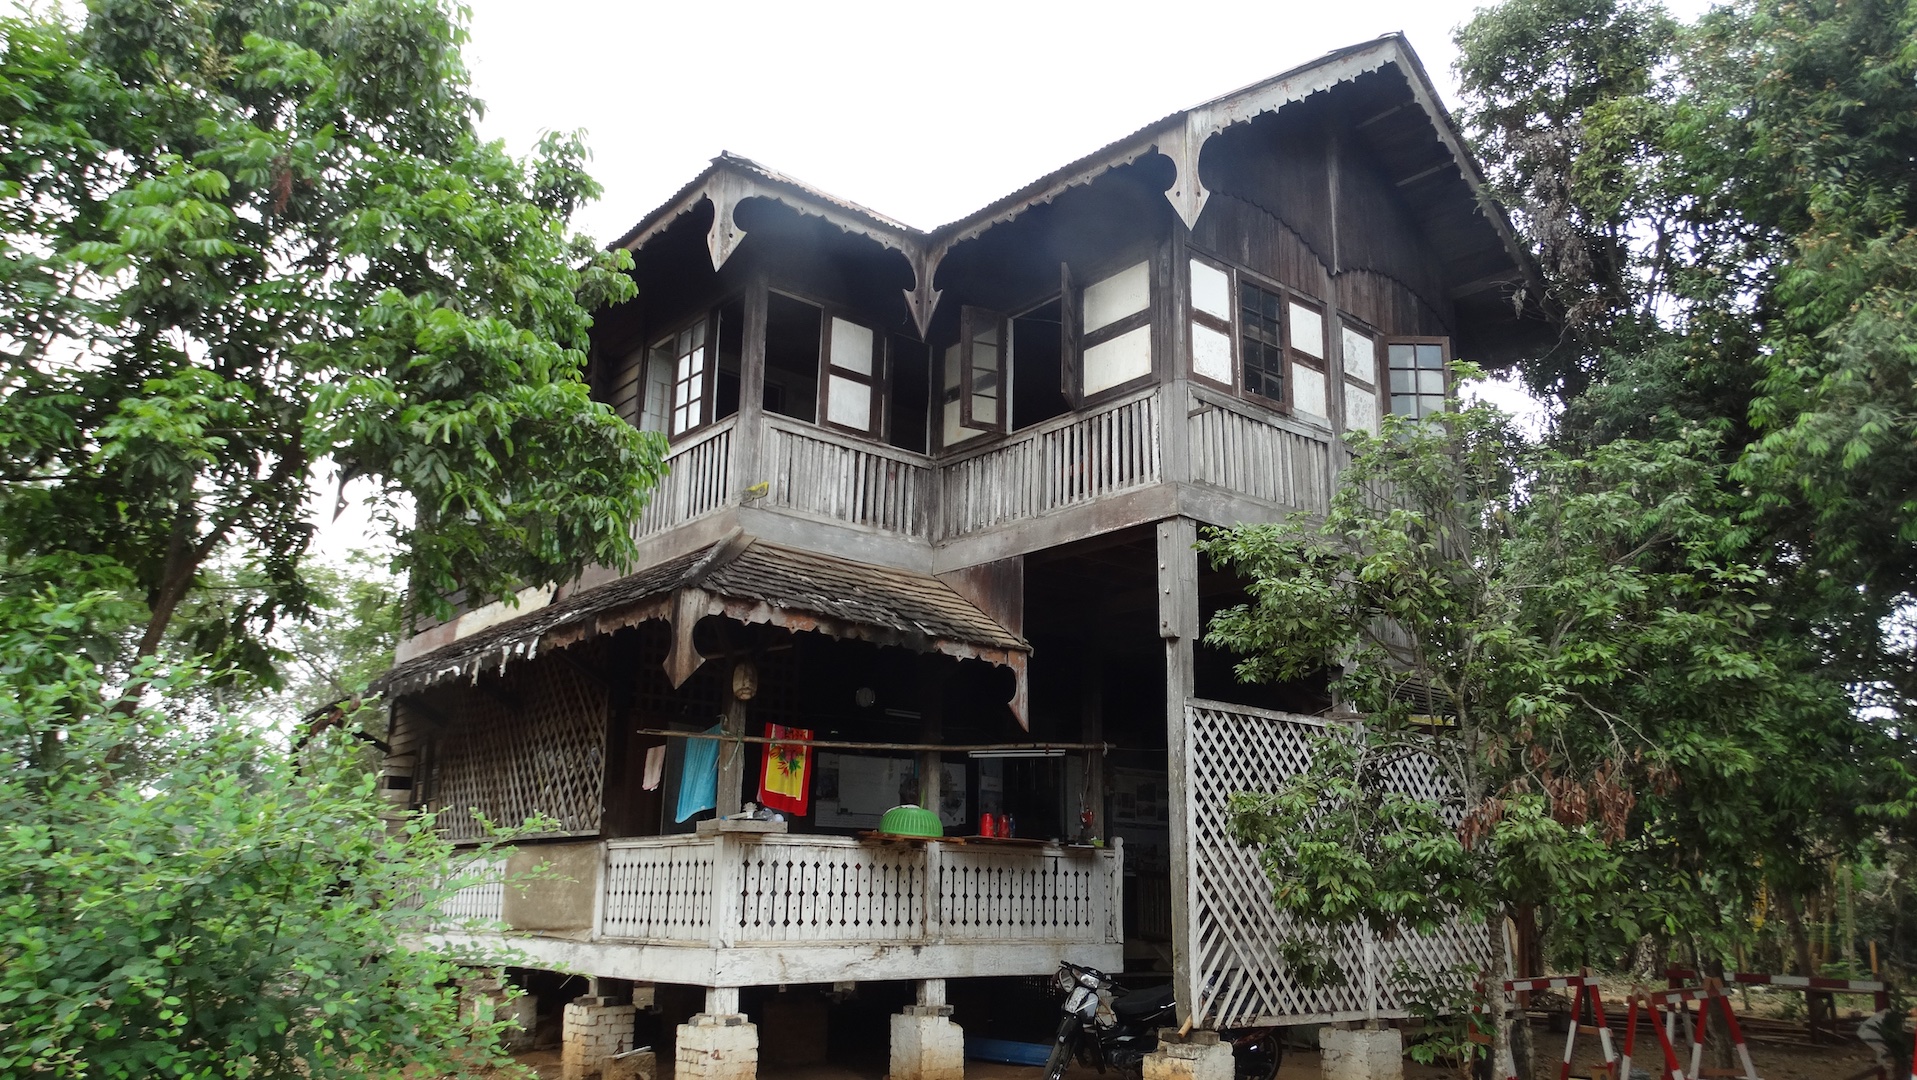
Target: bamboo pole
x,y
829,744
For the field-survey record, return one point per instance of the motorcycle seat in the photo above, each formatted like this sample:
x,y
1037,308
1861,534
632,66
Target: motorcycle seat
x,y
1140,1004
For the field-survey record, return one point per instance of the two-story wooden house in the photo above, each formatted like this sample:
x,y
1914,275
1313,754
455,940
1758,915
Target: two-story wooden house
x,y
933,497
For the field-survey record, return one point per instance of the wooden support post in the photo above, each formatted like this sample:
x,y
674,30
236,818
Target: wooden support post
x,y
1091,699
732,752
722,1000
1178,626
931,728
931,992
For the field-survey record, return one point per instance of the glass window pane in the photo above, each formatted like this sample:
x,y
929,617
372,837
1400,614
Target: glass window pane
x,y
1403,382
1122,294
1400,356
1404,404
1307,331
1308,390
1210,290
1431,382
848,403
1429,406
1120,360
851,347
1430,356
1210,354
1361,355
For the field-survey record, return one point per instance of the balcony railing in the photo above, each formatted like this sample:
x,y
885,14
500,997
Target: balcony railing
x,y
699,480
729,890
1252,451
821,472
1065,461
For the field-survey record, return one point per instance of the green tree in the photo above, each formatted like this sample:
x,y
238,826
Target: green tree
x,y
211,905
240,240
1581,650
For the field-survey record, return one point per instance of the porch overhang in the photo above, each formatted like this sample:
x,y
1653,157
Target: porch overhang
x,y
747,581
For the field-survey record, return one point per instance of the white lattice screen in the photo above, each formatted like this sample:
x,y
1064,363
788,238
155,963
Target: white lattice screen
x,y
1233,932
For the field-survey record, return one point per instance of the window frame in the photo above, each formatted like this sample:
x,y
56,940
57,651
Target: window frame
x,y
1384,369
876,384
1236,277
1072,289
708,376
1375,387
971,320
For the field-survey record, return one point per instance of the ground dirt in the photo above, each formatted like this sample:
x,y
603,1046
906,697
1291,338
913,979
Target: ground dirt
x,y
1774,1061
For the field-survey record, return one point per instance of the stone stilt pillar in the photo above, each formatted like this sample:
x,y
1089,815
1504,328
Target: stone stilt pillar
x,y
594,1030
1198,1056
926,1044
489,999
1357,1053
718,1044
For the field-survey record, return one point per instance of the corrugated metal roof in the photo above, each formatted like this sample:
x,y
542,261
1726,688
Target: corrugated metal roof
x,y
753,580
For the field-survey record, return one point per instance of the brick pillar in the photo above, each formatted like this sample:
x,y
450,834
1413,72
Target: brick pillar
x,y
1199,1056
927,1045
717,1046
1360,1054
595,1029
489,999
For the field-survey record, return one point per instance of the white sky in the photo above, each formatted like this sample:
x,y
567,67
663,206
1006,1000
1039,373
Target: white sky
x,y
922,112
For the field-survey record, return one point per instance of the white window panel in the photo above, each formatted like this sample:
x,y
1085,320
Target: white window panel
x,y
1361,409
851,347
1361,356
1307,331
1308,390
848,403
1111,299
1210,290
1120,360
1210,354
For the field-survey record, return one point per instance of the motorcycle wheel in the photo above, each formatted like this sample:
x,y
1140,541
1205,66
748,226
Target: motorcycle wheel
x,y
1062,1047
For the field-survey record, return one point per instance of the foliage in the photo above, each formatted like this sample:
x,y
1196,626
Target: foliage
x,y
1581,647
211,906
244,239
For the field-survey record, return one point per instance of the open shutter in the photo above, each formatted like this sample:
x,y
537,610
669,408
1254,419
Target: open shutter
x,y
1071,382
982,375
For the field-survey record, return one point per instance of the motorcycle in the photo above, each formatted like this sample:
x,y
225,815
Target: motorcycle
x,y
1100,1028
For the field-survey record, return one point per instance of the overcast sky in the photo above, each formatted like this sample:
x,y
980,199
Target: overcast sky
x,y
922,112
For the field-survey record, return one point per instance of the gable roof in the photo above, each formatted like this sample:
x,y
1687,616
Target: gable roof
x,y
1412,105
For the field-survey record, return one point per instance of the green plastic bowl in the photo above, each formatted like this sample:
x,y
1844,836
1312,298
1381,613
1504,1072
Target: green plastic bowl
x,y
911,820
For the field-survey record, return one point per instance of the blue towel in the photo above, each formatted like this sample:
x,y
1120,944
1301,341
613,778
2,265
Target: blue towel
x,y
699,776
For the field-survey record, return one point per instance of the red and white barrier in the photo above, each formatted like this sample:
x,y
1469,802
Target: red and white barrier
x,y
1585,986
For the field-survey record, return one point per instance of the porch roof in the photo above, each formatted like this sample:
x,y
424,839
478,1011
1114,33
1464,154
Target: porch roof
x,y
747,580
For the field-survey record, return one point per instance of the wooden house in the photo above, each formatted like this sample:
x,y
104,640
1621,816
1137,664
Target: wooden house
x,y
932,498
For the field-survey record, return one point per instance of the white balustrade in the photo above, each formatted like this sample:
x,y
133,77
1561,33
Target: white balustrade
x,y
831,890
1254,452
817,471
698,481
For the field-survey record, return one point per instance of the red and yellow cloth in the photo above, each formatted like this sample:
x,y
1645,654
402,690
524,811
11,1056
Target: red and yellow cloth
x,y
785,771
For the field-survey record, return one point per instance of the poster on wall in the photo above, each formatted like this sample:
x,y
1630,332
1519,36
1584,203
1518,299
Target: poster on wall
x,y
1139,797
854,791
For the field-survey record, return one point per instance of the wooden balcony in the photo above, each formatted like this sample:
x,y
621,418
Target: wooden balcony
x,y
1143,456
736,908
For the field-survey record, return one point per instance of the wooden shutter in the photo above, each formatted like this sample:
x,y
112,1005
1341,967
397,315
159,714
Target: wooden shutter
x,y
982,375
1072,381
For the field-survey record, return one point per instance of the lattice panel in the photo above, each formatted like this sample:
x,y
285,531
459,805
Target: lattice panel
x,y
1238,972
660,890
532,742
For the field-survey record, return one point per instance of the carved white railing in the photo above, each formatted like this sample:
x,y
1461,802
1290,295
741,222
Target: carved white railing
x,y
737,889
1249,451
658,889
1062,462
484,898
817,471
698,480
